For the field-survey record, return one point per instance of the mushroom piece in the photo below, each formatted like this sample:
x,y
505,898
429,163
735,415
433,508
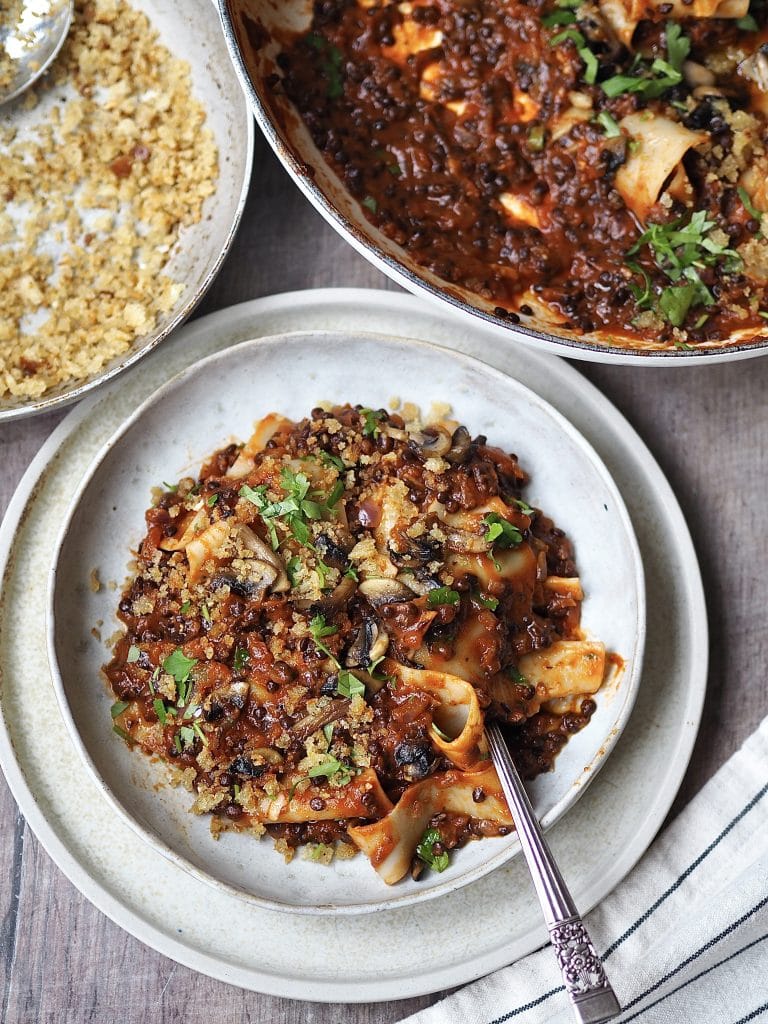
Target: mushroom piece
x,y
337,598
254,543
368,646
417,553
246,588
756,68
311,723
432,442
415,759
420,582
460,445
381,590
331,553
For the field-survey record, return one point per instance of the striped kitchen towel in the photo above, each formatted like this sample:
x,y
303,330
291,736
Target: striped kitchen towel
x,y
684,937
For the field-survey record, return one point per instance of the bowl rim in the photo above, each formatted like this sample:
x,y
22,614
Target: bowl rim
x,y
50,403
630,680
398,271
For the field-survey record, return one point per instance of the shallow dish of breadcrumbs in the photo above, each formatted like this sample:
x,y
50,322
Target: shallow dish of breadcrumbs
x,y
123,177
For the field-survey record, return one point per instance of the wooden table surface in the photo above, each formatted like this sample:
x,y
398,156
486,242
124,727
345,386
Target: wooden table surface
x,y
61,960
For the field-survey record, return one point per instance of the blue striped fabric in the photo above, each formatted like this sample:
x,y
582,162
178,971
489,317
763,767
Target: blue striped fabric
x,y
685,935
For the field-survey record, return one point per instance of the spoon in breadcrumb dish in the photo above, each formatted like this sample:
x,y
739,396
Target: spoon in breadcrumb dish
x,y
31,34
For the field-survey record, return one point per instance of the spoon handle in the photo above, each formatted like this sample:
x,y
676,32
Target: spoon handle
x,y
584,978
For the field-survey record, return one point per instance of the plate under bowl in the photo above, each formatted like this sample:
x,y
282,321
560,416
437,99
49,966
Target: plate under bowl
x,y
194,37
253,30
217,400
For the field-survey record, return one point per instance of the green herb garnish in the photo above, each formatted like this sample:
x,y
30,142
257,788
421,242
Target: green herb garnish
x,y
318,629
328,732
122,734
425,850
133,654
185,607
372,418
370,204
680,251
119,707
516,675
501,532
211,500
487,602
179,666
327,768
609,125
332,460
241,659
330,65
442,595
747,24
348,685
651,80
160,710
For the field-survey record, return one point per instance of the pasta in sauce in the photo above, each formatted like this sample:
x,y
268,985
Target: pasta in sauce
x,y
320,624
598,166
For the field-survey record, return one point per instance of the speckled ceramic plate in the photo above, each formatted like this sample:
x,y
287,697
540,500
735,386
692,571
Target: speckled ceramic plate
x,y
220,398
193,36
464,934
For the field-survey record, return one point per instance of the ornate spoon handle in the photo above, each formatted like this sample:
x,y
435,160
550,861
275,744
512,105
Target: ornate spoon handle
x,y
585,982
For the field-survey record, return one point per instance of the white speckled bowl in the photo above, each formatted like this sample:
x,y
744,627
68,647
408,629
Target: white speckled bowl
x,y
218,399
193,36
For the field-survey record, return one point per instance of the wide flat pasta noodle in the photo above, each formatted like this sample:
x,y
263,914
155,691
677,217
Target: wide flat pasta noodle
x,y
390,843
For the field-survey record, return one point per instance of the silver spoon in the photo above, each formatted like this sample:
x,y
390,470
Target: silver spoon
x,y
29,45
585,982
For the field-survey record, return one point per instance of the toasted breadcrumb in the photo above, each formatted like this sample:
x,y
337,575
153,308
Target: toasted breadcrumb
x,y
95,197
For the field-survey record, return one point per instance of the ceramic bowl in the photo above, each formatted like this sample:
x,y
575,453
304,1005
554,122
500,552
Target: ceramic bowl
x,y
254,30
218,400
195,37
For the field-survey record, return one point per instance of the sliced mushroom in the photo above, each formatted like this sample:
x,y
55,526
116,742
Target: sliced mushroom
x,y
335,710
416,759
381,590
419,552
264,552
331,553
420,582
432,442
756,68
333,602
368,646
461,443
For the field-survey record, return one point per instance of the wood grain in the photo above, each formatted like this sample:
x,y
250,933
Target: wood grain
x,y
63,962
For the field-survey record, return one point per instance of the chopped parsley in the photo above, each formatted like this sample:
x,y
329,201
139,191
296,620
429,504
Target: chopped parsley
x,y
442,595
331,766
292,568
750,207
179,666
425,850
747,24
205,614
241,659
348,685
170,487
119,707
211,500
328,732
651,80
370,204
524,507
295,508
591,64
160,710
680,250
608,124
516,675
185,607
186,735
371,418
487,602
133,654
352,574
318,629
501,532
329,459
122,734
